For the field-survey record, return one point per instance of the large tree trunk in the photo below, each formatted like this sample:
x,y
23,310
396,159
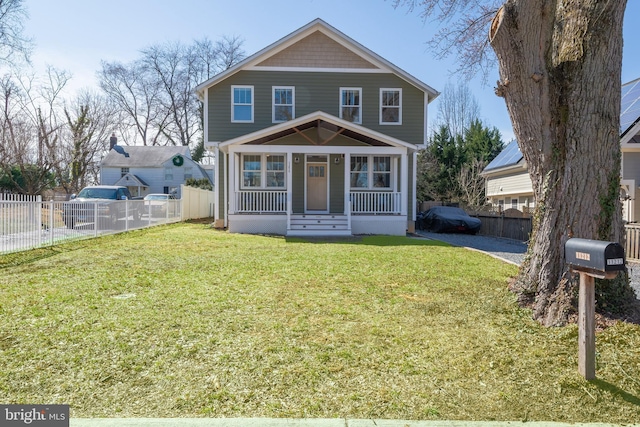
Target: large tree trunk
x,y
560,68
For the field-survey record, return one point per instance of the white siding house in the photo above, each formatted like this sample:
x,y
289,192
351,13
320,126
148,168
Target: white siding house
x,y
146,170
507,178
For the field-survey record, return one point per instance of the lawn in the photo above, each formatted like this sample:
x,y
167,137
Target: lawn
x,y
187,321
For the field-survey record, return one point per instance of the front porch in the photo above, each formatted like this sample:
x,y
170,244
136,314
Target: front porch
x,y
317,175
268,212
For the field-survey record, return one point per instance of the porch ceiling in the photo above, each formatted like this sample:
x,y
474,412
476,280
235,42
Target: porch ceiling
x,y
334,130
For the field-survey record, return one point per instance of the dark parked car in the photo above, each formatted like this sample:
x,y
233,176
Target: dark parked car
x,y
448,219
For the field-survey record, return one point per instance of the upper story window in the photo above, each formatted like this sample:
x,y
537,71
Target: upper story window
x,y
283,103
351,104
123,172
263,171
368,172
242,104
168,173
390,106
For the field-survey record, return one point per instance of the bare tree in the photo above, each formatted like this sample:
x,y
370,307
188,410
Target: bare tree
x,y
133,88
12,41
90,119
472,183
30,127
560,69
172,66
210,59
157,92
457,108
214,57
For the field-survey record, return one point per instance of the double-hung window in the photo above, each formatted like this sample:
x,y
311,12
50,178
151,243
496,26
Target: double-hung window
x,y
359,172
252,170
381,172
390,106
263,171
370,172
275,171
351,104
188,172
283,103
242,104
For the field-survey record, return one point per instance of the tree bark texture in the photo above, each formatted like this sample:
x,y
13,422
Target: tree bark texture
x,y
560,68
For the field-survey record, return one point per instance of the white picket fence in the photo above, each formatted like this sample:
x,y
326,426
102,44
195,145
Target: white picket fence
x,y
27,222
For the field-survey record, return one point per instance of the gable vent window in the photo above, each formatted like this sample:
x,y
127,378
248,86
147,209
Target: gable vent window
x,y
351,104
390,106
283,104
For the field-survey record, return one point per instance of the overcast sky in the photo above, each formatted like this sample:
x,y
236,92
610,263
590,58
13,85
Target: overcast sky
x,y
76,35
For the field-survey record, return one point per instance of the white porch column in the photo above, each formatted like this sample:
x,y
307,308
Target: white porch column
x,y
414,185
216,185
404,182
226,192
232,181
347,188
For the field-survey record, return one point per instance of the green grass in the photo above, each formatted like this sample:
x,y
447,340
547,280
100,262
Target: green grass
x,y
186,321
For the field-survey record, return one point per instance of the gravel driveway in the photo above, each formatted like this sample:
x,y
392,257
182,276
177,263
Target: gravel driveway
x,y
508,250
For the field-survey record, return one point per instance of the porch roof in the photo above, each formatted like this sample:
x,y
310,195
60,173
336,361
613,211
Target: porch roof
x,y
317,119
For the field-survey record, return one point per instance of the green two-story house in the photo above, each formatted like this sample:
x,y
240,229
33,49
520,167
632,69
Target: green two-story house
x,y
315,135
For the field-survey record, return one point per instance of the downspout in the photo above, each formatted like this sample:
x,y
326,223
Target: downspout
x,y
226,192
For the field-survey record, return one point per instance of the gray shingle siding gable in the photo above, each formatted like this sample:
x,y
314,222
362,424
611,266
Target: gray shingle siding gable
x,y
315,91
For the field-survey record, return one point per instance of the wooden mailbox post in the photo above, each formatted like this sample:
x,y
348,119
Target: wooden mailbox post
x,y
591,259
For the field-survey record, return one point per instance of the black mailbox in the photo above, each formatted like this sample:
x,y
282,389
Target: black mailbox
x,y
594,255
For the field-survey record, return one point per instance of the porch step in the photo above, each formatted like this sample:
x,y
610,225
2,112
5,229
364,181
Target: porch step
x,y
313,224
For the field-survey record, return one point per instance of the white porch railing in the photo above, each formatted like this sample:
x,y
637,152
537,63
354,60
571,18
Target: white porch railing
x,y
261,201
375,202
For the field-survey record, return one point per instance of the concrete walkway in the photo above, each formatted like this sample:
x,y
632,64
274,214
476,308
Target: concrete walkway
x,y
310,422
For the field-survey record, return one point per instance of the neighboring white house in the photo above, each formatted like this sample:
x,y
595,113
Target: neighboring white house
x,y
507,180
508,185
151,169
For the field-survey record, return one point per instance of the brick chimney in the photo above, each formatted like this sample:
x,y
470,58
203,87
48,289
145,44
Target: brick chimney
x,y
113,141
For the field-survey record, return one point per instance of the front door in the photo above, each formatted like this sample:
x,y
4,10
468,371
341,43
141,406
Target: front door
x,y
317,189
